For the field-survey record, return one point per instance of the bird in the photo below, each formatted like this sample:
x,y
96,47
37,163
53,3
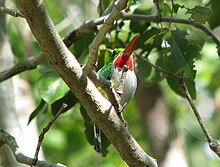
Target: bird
x,y
113,71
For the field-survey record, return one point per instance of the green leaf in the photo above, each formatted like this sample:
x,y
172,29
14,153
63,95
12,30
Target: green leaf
x,y
102,6
140,26
175,86
51,87
191,86
180,60
155,74
44,67
90,133
199,14
68,99
159,33
143,71
40,107
214,19
146,35
81,46
105,56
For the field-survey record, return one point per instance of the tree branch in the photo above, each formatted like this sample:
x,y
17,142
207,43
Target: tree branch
x,y
158,9
99,109
90,27
214,145
45,130
12,12
11,142
107,86
33,61
155,19
108,22
28,64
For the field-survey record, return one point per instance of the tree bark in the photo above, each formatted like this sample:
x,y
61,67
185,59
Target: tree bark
x,y
99,109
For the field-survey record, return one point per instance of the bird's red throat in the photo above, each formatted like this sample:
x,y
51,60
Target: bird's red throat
x,y
121,60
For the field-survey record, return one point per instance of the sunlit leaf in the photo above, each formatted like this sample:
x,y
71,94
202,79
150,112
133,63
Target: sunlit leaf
x,y
159,33
105,56
51,87
199,14
146,35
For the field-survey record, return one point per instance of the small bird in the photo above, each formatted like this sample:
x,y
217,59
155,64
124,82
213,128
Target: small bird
x,y
113,72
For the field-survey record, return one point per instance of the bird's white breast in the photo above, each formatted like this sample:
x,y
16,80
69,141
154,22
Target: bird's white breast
x,y
130,84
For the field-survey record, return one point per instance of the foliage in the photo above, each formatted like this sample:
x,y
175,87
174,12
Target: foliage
x,y
167,45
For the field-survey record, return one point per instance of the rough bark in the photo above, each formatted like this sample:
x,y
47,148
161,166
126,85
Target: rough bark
x,y
99,109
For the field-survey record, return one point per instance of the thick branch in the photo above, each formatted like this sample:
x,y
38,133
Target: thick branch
x,y
99,109
11,142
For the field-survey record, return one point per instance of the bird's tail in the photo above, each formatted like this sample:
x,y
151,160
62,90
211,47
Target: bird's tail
x,y
97,139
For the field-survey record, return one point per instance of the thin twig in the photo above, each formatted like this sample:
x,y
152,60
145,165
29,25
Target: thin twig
x,y
192,105
214,145
6,138
159,68
12,12
45,130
